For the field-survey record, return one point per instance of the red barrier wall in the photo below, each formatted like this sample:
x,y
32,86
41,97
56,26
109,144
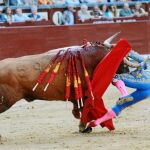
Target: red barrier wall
x,y
19,41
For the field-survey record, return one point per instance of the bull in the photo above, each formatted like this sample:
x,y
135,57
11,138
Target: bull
x,y
19,75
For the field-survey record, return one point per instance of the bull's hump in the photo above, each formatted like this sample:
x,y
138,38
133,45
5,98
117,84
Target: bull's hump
x,y
73,48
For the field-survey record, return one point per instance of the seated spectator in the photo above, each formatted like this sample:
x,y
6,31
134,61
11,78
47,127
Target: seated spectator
x,y
9,15
34,16
123,0
88,1
93,1
3,2
105,1
106,13
114,11
16,2
68,16
20,17
139,11
111,1
96,13
83,13
2,18
126,11
45,2
73,2
29,2
59,2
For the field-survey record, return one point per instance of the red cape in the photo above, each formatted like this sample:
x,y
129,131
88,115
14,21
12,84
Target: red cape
x,y
102,77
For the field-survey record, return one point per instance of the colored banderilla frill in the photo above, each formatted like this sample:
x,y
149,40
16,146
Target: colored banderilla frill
x,y
79,81
76,90
68,80
46,71
55,70
71,68
88,82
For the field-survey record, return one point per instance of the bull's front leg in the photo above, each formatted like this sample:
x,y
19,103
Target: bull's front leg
x,y
3,107
82,126
4,104
76,112
9,95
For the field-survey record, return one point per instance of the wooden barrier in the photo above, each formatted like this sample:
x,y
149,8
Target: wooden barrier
x,y
25,40
114,20
27,23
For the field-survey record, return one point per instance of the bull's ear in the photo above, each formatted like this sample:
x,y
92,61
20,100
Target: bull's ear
x,y
107,41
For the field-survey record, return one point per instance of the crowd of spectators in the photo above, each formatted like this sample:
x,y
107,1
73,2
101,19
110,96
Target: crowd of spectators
x,y
10,17
57,2
83,12
103,12
79,2
110,12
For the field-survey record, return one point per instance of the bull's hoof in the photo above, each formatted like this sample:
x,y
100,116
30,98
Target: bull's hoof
x,y
82,127
87,130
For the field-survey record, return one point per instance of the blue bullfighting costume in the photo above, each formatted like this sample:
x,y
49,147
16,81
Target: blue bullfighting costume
x,y
138,79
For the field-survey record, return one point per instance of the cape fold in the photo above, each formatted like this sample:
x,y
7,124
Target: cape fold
x,y
102,77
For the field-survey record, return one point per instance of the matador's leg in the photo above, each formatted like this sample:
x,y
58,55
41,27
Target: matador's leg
x,y
121,104
119,84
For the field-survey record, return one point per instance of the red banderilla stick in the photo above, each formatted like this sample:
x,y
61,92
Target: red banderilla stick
x,y
75,82
55,70
88,82
79,81
68,79
46,71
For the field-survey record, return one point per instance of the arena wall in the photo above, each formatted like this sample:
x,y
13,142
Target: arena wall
x,y
26,40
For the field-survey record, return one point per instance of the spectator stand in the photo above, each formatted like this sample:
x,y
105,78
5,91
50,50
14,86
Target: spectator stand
x,y
53,13
145,5
148,9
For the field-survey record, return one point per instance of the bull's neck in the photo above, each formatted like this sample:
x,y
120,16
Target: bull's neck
x,y
92,58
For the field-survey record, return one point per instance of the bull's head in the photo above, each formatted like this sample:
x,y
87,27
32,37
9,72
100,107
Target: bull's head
x,y
124,66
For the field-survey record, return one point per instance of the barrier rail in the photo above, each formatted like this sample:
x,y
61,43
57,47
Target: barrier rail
x,y
20,39
25,40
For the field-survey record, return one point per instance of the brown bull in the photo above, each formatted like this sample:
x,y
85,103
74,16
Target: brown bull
x,y
19,75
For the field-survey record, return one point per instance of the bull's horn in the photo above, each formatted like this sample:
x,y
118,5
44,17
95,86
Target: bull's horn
x,y
107,42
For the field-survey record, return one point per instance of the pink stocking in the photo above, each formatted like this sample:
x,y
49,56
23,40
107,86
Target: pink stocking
x,y
109,115
121,87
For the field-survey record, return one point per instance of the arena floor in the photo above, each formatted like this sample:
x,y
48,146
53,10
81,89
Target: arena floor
x,y
50,126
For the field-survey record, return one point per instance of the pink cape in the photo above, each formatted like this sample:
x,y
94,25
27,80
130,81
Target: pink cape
x,y
102,77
